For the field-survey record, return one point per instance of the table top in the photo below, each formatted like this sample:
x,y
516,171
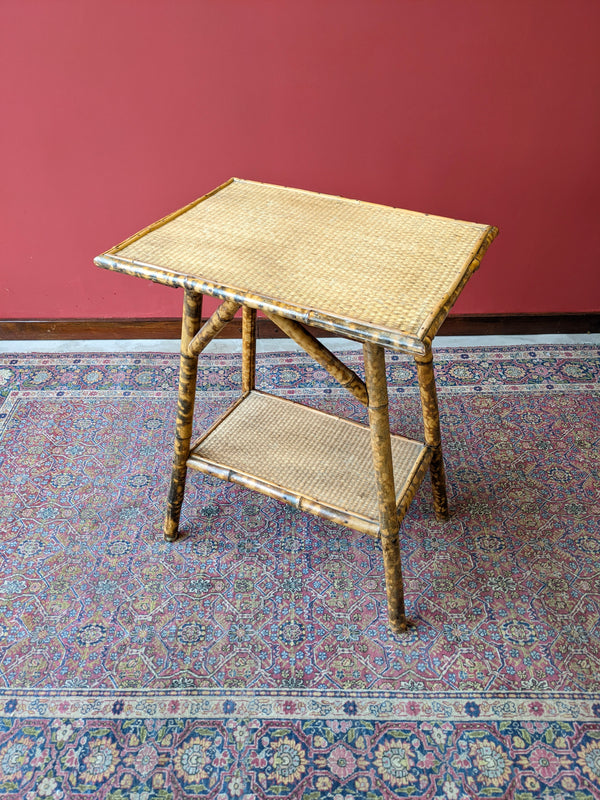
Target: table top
x,y
370,272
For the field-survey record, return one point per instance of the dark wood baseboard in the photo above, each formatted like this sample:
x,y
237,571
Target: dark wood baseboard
x,y
169,328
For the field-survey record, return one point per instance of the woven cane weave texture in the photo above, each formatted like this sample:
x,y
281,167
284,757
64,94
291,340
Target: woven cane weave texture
x,y
309,453
355,261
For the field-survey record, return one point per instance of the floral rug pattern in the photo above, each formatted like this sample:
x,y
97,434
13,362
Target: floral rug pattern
x,y
251,658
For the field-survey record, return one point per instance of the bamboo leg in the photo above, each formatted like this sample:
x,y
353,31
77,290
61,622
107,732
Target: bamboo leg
x,y
384,475
433,438
188,369
248,349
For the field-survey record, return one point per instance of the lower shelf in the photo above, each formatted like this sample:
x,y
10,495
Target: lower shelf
x,y
308,458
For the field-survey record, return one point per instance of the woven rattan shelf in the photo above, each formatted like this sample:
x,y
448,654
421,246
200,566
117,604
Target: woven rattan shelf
x,y
382,276
312,460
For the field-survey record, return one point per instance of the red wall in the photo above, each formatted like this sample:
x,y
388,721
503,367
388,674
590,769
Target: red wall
x,y
116,112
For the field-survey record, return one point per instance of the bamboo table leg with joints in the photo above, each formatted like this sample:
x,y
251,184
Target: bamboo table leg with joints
x,y
193,340
248,349
188,371
389,521
390,517
433,436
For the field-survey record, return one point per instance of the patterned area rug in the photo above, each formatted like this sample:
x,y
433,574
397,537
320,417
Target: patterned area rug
x,y
251,658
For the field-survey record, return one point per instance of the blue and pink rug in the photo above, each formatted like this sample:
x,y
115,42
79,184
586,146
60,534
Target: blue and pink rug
x,y
251,659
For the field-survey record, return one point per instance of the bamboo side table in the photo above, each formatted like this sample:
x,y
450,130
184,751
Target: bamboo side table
x,y
381,276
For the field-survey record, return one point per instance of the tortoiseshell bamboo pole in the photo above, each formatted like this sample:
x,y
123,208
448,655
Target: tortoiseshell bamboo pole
x,y
248,349
389,525
433,437
343,374
213,325
188,370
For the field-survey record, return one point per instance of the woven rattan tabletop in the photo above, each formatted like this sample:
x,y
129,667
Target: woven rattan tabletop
x,y
371,272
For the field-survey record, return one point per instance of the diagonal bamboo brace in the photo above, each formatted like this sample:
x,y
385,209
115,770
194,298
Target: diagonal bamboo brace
x,y
224,314
343,374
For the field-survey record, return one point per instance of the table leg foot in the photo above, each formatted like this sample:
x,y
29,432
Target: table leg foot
x,y
402,625
170,529
394,585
